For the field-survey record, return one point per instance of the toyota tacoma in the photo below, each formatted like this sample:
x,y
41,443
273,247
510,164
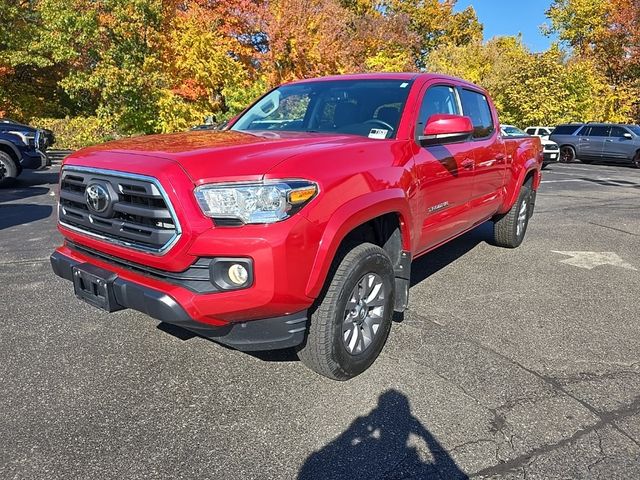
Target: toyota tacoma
x,y
295,226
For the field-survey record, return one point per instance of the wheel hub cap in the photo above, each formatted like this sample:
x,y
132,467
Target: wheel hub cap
x,y
364,313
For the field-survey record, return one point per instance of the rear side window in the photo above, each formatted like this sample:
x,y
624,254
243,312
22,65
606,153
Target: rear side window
x,y
438,99
476,106
599,131
531,131
565,130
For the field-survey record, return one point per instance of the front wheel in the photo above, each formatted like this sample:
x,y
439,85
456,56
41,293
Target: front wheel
x,y
8,170
351,323
636,160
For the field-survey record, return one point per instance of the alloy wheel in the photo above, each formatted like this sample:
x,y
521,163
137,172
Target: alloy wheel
x,y
3,169
523,213
566,155
364,313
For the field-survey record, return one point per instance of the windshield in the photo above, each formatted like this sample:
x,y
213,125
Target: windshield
x,y
369,108
512,131
635,129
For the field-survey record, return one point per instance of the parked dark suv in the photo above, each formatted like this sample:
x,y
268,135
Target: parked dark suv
x,y
21,147
598,141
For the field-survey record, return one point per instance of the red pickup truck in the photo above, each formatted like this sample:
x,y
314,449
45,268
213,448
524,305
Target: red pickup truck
x,y
296,226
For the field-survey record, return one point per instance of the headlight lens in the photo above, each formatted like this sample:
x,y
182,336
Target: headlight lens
x,y
263,202
25,137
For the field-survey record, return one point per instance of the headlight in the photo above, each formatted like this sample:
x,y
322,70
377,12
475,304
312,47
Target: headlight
x,y
261,202
25,137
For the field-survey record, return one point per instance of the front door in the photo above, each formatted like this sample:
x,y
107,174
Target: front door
x,y
444,173
617,146
489,156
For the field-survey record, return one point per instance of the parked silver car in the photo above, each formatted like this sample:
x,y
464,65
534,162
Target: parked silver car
x,y
591,142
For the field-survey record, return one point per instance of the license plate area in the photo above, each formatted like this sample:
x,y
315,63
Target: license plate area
x,y
94,285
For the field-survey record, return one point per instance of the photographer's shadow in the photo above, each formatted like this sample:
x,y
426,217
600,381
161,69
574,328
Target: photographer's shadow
x,y
377,447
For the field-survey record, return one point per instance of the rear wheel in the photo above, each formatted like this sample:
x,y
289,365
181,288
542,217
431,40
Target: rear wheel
x,y
350,325
8,169
509,229
567,154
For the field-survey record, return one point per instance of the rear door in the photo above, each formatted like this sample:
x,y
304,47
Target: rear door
x,y
488,154
617,146
444,172
591,141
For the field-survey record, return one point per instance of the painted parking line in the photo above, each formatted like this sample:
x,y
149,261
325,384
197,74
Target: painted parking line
x,y
573,175
567,180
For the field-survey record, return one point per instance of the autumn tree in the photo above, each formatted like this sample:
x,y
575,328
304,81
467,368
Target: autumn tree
x,y
606,33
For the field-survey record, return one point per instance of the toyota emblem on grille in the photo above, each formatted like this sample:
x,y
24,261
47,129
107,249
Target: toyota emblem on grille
x,y
97,198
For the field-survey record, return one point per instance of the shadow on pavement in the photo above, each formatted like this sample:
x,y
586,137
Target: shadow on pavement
x,y
29,184
18,214
425,266
611,183
383,444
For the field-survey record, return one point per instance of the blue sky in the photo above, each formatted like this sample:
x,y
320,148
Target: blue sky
x,y
501,17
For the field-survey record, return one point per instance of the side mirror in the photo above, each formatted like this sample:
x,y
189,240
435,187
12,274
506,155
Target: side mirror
x,y
628,136
445,128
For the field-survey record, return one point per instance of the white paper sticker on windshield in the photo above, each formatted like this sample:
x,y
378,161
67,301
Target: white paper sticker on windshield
x,y
379,133
404,85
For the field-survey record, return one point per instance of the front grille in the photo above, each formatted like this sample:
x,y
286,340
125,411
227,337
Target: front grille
x,y
133,210
551,147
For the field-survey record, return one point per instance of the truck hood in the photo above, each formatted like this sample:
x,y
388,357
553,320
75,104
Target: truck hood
x,y
211,155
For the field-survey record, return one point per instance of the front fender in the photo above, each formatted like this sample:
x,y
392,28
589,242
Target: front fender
x,y
349,216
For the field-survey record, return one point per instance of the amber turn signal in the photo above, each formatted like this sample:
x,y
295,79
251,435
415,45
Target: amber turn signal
x,y
302,195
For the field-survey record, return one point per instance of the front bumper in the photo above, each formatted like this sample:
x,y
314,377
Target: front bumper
x,y
551,157
256,335
34,159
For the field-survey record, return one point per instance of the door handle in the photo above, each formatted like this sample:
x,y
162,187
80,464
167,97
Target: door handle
x,y
468,164
500,157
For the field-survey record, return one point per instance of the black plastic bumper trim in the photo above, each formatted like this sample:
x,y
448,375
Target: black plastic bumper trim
x,y
255,335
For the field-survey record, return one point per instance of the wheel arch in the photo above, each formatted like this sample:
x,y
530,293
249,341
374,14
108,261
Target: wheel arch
x,y
11,150
382,218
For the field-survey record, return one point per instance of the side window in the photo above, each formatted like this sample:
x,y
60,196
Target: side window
x,y
599,131
617,132
438,99
585,132
531,131
476,106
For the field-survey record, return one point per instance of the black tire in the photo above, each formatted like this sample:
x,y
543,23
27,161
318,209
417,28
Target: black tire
x,y
636,160
324,350
8,170
544,166
509,229
567,154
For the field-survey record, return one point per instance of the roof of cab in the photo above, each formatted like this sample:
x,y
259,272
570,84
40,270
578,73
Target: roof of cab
x,y
406,76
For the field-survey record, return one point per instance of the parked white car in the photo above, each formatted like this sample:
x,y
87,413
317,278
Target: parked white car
x,y
550,149
542,132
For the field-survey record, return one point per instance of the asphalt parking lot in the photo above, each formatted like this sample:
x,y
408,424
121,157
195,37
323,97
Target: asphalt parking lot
x,y
508,364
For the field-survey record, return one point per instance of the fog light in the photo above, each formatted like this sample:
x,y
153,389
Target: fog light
x,y
238,274
231,273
